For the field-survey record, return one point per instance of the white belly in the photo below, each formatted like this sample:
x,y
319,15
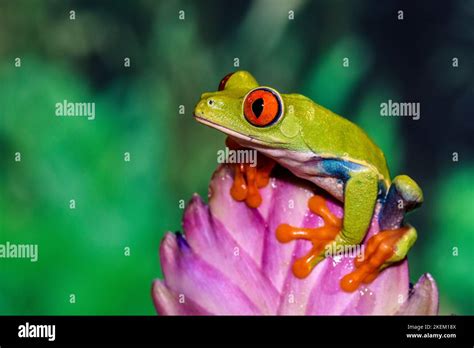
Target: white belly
x,y
305,165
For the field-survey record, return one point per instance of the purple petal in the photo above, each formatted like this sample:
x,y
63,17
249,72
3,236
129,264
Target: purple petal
x,y
327,297
296,292
188,274
168,303
232,263
245,225
382,296
290,205
212,241
423,298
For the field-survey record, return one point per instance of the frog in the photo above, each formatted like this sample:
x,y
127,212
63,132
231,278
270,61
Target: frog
x,y
331,152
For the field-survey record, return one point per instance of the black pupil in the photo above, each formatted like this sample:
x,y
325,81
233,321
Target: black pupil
x,y
257,107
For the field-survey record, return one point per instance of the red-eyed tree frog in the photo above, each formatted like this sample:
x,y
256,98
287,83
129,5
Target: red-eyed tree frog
x,y
326,149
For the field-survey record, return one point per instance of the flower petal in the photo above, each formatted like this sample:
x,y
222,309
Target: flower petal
x,y
187,274
296,292
327,297
231,262
245,225
389,290
168,303
210,239
290,205
423,298
382,296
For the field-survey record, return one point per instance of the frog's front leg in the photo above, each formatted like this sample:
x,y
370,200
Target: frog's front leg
x,y
360,196
248,178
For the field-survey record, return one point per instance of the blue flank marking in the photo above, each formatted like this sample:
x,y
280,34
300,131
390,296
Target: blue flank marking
x,y
339,168
342,170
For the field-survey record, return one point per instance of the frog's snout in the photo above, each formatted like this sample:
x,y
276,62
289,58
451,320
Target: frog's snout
x,y
199,110
204,107
208,105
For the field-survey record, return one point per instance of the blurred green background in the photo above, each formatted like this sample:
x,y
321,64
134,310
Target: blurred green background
x,y
131,204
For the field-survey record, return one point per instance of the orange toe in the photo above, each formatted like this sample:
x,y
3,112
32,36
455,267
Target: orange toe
x,y
239,189
319,237
249,179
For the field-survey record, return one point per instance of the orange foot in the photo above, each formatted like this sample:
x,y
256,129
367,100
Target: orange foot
x,y
320,236
248,179
380,248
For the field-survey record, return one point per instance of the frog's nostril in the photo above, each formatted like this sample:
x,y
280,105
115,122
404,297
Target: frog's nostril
x,y
210,102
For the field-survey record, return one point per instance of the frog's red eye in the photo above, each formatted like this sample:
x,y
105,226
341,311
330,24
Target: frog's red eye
x,y
262,107
224,81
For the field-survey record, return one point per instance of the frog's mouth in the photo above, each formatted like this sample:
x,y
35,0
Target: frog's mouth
x,y
242,139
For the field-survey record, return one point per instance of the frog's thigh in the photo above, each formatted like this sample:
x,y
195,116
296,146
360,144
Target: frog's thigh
x,y
360,196
403,196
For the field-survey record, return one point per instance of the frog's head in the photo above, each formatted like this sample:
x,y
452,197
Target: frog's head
x,y
253,115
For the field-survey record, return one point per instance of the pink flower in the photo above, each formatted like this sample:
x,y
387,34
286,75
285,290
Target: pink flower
x,y
230,262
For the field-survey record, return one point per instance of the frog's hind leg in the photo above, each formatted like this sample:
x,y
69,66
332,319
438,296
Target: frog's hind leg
x,y
403,196
393,242
383,249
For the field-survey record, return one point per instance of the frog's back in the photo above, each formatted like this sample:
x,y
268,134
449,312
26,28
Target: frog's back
x,y
329,135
